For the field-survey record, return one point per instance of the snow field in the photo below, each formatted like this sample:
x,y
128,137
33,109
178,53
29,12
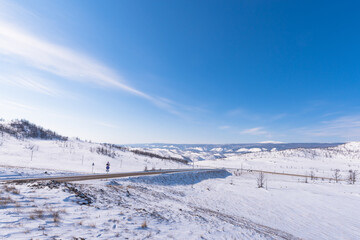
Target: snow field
x,y
73,156
211,205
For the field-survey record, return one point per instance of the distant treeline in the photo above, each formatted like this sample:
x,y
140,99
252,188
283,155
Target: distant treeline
x,y
108,150
149,154
24,129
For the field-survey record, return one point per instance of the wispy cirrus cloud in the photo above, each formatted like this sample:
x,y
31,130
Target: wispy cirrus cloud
x,y
106,124
20,46
30,82
255,131
345,127
16,105
25,47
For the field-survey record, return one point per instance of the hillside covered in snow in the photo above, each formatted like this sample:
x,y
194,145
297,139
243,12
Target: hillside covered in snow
x,y
23,144
319,161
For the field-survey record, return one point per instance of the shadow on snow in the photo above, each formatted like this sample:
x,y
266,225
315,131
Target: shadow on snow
x,y
185,178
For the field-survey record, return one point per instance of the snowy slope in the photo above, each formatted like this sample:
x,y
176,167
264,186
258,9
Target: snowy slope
x,y
321,161
213,205
74,156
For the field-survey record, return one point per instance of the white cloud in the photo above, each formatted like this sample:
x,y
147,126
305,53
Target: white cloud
x,y
15,105
20,46
271,141
347,127
254,131
278,116
30,82
224,127
17,43
108,125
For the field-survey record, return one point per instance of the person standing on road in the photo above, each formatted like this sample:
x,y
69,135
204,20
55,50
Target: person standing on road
x,y
107,167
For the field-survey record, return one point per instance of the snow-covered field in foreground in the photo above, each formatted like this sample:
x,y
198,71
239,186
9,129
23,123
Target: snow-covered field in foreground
x,y
213,205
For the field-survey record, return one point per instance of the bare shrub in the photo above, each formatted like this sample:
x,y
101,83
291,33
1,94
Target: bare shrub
x,y
260,180
56,216
18,207
6,200
37,214
32,148
337,175
352,176
92,225
312,176
42,228
144,224
11,189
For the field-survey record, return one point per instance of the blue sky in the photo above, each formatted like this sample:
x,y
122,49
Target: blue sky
x,y
183,71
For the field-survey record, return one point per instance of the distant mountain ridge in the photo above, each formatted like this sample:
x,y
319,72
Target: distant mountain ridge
x,y
200,152
236,146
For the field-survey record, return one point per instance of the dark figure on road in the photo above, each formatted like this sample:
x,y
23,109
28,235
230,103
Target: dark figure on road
x,y
107,167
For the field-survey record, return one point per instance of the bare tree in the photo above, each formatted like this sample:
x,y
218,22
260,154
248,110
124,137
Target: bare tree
x,y
32,148
312,175
355,173
352,176
337,175
261,180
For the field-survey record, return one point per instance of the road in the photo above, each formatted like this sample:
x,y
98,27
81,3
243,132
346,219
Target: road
x,y
144,173
244,170
101,176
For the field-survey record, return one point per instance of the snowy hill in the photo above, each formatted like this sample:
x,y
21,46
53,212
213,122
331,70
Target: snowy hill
x,y
23,144
28,145
323,161
25,129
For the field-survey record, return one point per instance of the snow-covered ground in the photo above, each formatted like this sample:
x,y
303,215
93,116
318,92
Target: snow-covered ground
x,y
320,161
218,204
73,156
213,205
